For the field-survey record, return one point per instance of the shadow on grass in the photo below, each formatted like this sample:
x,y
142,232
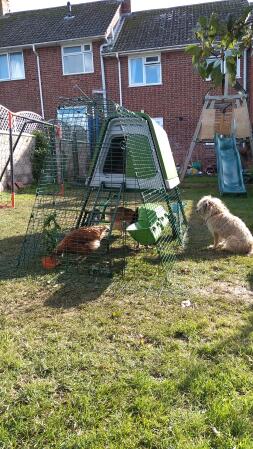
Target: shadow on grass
x,y
198,240
250,280
81,279
78,286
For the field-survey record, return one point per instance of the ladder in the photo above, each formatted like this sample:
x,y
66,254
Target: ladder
x,y
94,212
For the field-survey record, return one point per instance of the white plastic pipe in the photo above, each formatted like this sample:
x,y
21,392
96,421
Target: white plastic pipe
x,y
120,82
39,79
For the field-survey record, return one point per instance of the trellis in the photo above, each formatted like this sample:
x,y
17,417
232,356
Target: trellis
x,y
13,128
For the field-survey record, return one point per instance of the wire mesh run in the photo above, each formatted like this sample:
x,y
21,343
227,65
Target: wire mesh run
x,y
102,205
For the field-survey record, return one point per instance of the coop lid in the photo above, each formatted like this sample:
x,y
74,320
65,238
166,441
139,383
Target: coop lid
x,y
150,213
164,152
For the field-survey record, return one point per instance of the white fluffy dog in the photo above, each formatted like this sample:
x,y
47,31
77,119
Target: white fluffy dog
x,y
228,231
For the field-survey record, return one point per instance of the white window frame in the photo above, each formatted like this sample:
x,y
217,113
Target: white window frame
x,y
10,78
82,45
238,67
158,120
144,62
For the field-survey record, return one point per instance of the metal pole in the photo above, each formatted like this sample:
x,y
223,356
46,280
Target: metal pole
x,y
13,149
11,160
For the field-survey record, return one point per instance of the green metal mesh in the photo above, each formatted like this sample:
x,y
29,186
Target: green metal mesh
x,y
104,171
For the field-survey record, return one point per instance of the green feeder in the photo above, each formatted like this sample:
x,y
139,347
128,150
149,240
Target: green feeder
x,y
152,219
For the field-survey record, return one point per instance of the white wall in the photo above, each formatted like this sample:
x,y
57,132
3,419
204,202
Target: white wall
x,y
22,163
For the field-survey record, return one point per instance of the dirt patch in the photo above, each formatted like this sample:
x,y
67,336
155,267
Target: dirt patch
x,y
227,289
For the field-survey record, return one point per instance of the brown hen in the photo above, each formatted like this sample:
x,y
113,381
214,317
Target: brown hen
x,y
124,217
82,240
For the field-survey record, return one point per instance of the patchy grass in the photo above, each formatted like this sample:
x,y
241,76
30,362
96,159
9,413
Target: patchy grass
x,y
90,366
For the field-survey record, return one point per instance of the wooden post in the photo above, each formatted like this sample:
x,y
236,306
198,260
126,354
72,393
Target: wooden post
x,y
244,102
11,160
193,143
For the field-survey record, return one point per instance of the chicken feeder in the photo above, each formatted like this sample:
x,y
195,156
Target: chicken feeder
x,y
151,222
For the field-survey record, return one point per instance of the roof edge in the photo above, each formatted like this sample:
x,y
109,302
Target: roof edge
x,y
143,50
52,43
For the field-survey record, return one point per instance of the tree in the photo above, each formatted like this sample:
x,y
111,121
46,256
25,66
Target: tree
x,y
219,44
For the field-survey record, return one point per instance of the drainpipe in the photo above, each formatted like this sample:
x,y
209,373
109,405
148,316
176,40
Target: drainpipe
x,y
245,70
119,75
39,78
103,71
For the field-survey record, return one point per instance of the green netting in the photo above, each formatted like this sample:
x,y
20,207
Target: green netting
x,y
102,206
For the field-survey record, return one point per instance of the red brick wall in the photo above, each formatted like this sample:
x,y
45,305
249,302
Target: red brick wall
x,y
56,85
126,6
24,94
178,100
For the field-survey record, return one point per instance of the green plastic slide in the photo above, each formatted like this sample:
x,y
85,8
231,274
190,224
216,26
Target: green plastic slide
x,y
229,166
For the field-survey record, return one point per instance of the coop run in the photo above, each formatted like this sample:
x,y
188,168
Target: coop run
x,y
108,201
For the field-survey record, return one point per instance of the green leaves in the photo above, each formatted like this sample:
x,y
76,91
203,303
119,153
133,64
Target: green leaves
x,y
217,75
39,153
193,49
231,63
51,232
220,41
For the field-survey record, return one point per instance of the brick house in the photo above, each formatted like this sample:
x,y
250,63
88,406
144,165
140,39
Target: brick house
x,y
134,58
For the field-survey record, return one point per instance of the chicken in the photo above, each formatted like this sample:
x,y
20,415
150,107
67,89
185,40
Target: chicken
x,y
83,240
124,217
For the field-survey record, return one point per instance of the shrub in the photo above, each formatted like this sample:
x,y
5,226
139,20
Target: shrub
x,y
38,155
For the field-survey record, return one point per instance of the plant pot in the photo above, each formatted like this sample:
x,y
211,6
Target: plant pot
x,y
49,262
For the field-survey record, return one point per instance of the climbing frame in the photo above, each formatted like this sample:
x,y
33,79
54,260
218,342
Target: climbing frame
x,y
227,115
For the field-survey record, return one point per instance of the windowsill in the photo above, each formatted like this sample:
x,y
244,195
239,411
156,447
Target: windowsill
x,y
13,79
237,77
145,85
80,73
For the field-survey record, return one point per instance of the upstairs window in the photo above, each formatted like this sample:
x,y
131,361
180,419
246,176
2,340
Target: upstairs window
x,y
145,70
12,66
77,59
238,67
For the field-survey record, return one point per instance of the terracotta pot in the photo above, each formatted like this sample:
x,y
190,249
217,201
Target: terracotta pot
x,y
49,262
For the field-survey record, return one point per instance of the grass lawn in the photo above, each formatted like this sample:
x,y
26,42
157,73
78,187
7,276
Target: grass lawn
x,y
84,367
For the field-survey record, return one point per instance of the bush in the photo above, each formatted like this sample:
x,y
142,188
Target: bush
x,y
40,151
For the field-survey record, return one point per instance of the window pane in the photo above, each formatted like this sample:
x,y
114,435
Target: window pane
x,y
87,47
73,64
153,74
152,59
4,71
75,116
17,66
136,68
67,50
216,63
159,121
88,66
